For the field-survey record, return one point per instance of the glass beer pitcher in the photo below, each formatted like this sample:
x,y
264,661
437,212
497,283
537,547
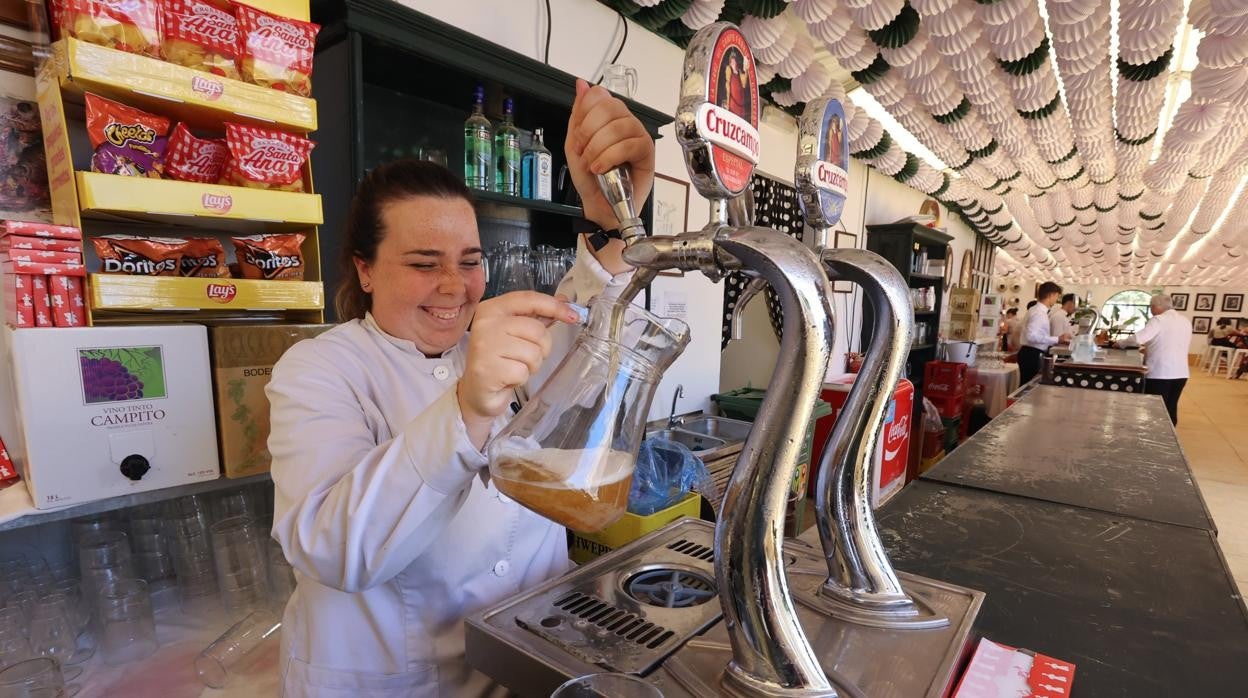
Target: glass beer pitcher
x,y
569,453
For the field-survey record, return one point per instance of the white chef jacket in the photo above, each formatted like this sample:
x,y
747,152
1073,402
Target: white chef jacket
x,y
1036,329
1167,338
1059,322
383,512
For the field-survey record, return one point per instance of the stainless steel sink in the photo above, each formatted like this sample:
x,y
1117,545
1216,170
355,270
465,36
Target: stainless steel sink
x,y
717,427
700,444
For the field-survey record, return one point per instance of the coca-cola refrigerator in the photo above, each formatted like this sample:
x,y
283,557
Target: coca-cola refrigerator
x,y
893,449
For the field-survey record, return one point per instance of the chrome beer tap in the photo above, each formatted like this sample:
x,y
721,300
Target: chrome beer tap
x,y
862,585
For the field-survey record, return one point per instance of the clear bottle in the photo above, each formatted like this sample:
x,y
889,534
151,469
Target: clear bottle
x,y
507,153
478,146
535,169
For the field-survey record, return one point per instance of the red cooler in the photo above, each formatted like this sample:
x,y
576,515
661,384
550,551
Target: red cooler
x,y
891,453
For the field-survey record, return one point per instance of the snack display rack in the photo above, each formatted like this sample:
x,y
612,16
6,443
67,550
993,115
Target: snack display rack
x,y
107,203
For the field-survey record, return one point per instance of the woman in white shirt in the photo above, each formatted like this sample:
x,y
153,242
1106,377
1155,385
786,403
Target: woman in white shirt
x,y
378,427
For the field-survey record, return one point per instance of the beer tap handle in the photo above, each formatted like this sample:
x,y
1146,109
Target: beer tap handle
x,y
617,187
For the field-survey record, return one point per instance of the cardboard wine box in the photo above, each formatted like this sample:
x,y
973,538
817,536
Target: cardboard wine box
x,y
96,412
242,362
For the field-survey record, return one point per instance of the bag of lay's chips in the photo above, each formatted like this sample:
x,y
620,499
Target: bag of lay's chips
x,y
200,34
192,159
139,256
274,257
126,25
265,159
277,51
204,258
127,141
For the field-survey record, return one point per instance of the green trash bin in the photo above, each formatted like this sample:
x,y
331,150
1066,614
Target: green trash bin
x,y
744,404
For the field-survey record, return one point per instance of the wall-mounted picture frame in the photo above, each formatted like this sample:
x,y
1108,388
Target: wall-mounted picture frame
x,y
1205,301
1200,324
1179,300
843,240
671,210
1232,302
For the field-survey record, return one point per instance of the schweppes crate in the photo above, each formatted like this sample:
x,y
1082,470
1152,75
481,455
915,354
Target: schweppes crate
x,y
587,546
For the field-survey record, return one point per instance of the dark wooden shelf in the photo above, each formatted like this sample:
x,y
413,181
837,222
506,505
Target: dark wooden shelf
x,y
925,279
917,313
921,347
530,204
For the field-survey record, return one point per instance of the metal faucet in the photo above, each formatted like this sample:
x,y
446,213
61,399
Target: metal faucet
x,y
671,416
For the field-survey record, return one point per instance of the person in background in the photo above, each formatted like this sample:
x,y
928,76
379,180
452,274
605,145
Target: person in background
x,y
1222,334
1013,327
1059,316
1037,337
1165,340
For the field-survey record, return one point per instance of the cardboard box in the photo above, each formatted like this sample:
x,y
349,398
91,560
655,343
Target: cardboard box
x,y
96,412
963,329
18,242
43,302
963,301
19,302
242,362
40,230
1001,671
69,306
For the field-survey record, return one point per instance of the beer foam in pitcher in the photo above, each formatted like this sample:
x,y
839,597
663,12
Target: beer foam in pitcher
x,y
583,489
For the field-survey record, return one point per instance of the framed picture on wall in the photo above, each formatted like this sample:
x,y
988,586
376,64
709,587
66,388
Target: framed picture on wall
x,y
1179,300
1232,302
671,209
843,240
1200,324
1204,302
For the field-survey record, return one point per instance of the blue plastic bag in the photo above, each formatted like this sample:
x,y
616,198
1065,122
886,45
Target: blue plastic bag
x,y
666,471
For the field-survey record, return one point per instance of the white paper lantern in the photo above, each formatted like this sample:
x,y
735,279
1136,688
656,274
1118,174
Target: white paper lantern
x,y
761,33
813,11
876,14
702,13
1220,51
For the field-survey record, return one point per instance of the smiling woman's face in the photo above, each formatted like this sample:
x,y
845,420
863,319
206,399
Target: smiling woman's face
x,y
429,274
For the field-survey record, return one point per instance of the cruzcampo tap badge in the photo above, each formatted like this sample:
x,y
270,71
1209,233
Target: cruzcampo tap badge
x,y
822,169
717,123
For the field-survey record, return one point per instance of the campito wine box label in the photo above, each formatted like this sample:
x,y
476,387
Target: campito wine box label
x,y
243,357
106,411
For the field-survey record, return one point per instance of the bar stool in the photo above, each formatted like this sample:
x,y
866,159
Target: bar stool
x,y
1233,362
1217,354
1205,357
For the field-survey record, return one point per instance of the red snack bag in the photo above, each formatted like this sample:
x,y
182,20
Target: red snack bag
x,y
126,25
19,302
69,308
199,35
192,159
270,256
127,141
40,230
139,256
277,51
265,159
21,242
204,257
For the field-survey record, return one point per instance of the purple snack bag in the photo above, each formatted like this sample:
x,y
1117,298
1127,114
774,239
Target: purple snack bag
x,y
127,141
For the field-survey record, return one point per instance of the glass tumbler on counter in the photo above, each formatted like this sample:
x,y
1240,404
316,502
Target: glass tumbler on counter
x,y
219,660
33,678
127,624
569,453
190,547
241,570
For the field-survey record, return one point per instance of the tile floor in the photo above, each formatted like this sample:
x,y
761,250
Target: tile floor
x,y
1213,429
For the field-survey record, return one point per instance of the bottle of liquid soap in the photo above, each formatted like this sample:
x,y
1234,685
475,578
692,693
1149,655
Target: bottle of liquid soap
x,y
478,146
535,169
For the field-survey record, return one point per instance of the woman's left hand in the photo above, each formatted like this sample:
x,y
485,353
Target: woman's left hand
x,y
603,133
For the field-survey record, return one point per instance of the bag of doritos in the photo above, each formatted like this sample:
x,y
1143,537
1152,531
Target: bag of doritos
x,y
139,256
278,256
265,159
276,51
205,258
127,141
192,159
200,35
126,25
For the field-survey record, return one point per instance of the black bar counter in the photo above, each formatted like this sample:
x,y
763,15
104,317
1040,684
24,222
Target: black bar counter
x,y
1110,451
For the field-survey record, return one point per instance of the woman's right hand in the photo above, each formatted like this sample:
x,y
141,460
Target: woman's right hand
x,y
507,344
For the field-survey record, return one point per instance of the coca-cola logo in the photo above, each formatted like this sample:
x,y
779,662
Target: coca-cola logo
x,y
220,203
939,388
729,131
222,293
900,429
270,157
212,89
119,134
830,177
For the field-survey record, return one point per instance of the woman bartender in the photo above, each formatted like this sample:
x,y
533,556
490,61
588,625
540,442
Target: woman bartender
x,y
378,427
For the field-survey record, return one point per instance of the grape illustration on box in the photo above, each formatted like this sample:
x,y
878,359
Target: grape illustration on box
x,y
118,374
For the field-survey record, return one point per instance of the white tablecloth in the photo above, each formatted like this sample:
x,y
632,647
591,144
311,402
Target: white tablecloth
x,y
997,384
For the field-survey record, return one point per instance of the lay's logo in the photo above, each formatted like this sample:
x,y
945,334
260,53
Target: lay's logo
x,y
221,203
210,89
222,293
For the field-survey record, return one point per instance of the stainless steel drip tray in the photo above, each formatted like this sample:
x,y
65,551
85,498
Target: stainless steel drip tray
x,y
626,611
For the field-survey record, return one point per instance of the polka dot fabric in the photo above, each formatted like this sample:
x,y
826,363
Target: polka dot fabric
x,y
776,207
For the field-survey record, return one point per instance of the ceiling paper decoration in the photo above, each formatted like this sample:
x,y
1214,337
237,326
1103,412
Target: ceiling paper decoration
x,y
1083,163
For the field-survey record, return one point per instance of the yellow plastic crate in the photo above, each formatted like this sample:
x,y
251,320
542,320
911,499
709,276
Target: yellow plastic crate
x,y
194,96
587,546
122,292
189,203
